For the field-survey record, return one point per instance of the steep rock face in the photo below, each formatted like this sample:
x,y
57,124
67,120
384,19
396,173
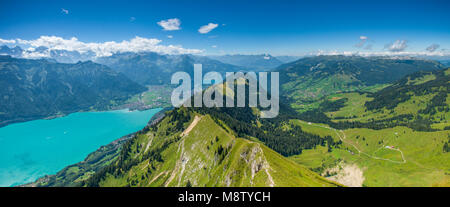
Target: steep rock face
x,y
32,89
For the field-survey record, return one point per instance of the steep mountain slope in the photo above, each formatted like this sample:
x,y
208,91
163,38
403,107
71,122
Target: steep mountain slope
x,y
226,147
155,69
420,101
397,156
33,89
14,52
188,148
434,84
397,136
250,62
311,78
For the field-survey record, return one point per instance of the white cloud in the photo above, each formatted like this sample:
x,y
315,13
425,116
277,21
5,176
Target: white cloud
x,y
432,47
137,44
207,28
65,11
169,36
170,24
397,46
2,41
214,46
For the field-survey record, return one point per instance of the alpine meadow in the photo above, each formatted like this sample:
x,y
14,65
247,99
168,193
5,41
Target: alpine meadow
x,y
219,94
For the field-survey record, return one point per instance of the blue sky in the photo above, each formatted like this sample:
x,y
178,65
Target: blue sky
x,y
246,27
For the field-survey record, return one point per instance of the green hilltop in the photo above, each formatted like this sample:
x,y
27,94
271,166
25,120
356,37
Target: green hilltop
x,y
380,133
308,79
187,148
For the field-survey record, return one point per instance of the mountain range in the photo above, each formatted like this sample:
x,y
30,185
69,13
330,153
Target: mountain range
x,y
344,120
231,146
33,89
155,69
62,56
250,62
312,78
196,147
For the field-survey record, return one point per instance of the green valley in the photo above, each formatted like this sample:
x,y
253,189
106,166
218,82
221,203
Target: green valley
x,y
396,156
395,136
380,134
306,80
156,97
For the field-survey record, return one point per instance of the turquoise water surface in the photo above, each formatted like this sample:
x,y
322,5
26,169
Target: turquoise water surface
x,y
32,149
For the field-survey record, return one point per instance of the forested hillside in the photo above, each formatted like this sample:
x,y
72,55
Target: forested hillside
x,y
187,148
309,79
33,89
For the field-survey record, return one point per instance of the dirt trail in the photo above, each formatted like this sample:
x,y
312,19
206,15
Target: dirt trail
x,y
343,138
183,158
191,126
178,163
156,177
149,143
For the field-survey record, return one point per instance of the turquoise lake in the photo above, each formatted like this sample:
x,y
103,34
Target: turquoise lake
x,y
32,149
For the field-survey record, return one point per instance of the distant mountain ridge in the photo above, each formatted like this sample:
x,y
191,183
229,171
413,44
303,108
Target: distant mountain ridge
x,y
61,56
227,146
33,89
287,58
151,68
14,52
250,62
311,78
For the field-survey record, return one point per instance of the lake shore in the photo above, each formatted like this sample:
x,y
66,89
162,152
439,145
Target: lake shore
x,y
58,142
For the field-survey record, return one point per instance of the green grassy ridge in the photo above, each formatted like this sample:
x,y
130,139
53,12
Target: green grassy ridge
x,y
354,110
417,84
246,122
420,101
308,79
137,166
207,156
74,175
427,164
139,161
77,174
426,160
